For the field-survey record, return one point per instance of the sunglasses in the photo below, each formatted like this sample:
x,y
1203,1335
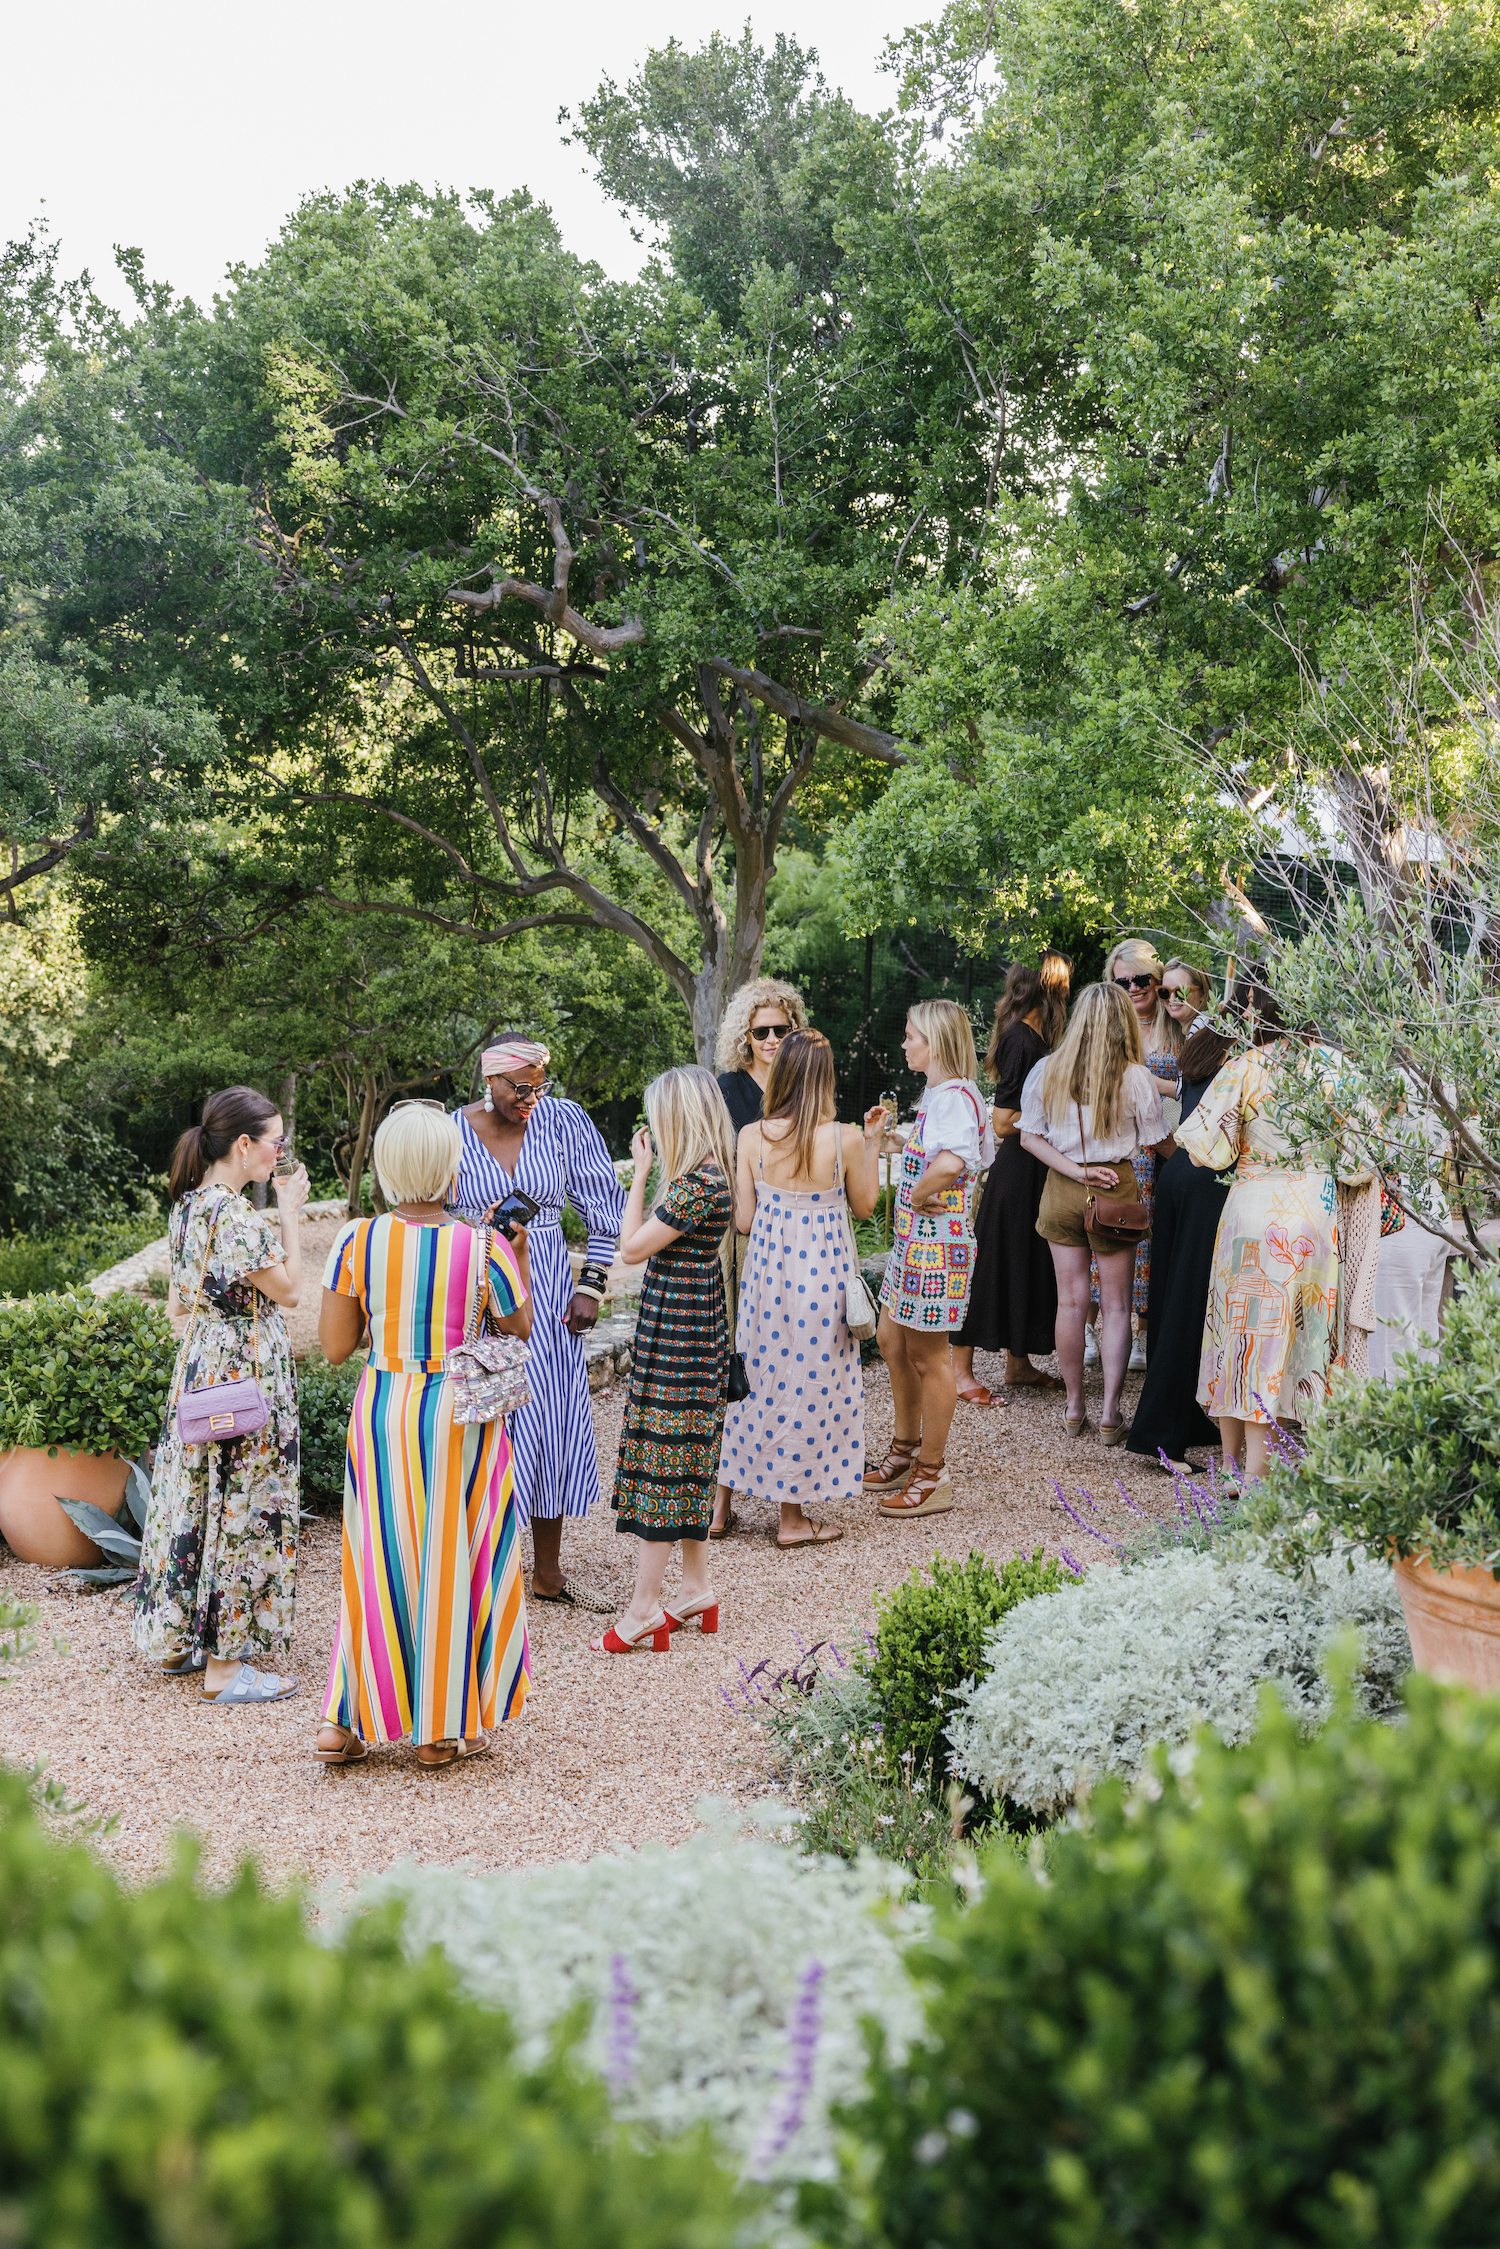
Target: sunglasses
x,y
1171,992
524,1095
772,1031
1135,983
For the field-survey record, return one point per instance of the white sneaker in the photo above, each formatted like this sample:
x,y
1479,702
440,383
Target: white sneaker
x,y
1090,1348
1136,1364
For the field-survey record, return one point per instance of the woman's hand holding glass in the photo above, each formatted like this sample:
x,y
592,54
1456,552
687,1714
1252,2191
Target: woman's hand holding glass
x,y
291,1192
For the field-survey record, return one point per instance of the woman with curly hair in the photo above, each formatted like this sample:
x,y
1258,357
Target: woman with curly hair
x,y
756,1020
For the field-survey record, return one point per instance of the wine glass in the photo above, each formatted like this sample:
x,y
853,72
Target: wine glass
x,y
286,1159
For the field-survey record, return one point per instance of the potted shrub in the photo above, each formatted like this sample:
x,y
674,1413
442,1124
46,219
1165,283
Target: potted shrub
x,y
83,1387
1412,1468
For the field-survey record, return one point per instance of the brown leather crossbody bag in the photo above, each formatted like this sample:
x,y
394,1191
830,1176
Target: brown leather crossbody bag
x,y
1115,1221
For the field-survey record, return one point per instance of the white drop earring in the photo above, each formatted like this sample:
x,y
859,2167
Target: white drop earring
x,y
489,1102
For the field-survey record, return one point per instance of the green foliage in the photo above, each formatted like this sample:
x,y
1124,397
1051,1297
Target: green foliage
x,y
324,1396
929,1639
1257,2002
177,2065
1413,1463
83,1372
43,1264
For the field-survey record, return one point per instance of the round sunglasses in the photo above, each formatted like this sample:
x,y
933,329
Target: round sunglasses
x,y
771,1031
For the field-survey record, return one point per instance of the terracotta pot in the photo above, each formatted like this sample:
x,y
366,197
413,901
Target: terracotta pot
x,y
32,1480
1453,1618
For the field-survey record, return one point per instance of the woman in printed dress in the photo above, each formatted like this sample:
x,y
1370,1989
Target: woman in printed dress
x,y
521,1136
674,1413
431,1636
925,1295
218,1575
798,1440
1271,1338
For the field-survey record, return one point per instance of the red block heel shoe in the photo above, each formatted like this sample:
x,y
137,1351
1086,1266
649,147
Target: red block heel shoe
x,y
707,1616
615,1643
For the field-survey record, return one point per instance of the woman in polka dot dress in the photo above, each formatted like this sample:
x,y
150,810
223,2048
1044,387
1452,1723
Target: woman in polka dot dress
x,y
799,1438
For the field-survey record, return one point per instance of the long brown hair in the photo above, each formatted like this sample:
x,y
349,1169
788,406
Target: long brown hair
x,y
1101,1041
1206,1052
239,1108
1043,991
800,1090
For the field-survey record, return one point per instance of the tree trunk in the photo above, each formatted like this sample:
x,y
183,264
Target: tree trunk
x,y
359,1153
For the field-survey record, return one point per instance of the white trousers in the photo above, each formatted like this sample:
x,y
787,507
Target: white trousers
x,y
1408,1291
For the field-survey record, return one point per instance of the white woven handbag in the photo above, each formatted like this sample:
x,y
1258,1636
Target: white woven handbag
x,y
488,1372
860,1311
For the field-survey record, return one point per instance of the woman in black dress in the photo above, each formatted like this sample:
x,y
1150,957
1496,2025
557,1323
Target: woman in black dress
x,y
1013,1303
1184,1226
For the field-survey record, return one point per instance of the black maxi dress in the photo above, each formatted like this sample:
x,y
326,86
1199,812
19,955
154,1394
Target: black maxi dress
x,y
1013,1303
1184,1228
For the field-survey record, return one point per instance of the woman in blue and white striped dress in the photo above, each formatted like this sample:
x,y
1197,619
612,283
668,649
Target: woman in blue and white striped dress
x,y
522,1137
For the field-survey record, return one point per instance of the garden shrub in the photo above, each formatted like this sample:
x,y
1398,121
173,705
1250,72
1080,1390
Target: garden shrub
x,y
826,1723
324,1397
693,1962
177,2066
930,1638
1414,1462
1257,2003
89,1373
46,1264
1079,1686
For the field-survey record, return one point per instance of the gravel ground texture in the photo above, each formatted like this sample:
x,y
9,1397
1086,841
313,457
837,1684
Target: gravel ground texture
x,y
610,1752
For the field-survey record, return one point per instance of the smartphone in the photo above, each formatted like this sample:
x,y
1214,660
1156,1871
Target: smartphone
x,y
515,1210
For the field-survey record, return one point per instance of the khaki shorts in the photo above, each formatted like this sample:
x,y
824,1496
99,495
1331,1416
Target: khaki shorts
x,y
1060,1218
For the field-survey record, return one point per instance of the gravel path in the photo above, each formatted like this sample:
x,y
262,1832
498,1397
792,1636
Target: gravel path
x,y
608,1754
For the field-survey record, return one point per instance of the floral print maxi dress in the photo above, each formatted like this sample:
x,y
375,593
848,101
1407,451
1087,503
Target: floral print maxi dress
x,y
674,1414
218,1573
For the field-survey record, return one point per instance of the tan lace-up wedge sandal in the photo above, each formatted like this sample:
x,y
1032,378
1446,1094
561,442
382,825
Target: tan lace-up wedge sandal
x,y
898,1467
930,1492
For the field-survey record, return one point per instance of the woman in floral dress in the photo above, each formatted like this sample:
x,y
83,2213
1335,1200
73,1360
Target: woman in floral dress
x,y
218,1575
674,1414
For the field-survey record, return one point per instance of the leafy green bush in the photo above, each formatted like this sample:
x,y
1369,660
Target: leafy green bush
x,y
1413,1463
826,1724
86,1372
1262,2008
44,1264
177,2066
929,1638
324,1396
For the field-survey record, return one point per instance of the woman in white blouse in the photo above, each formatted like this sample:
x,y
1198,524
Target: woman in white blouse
x,y
925,1294
1085,1111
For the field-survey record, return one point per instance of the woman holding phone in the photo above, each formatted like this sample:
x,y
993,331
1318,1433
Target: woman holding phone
x,y
523,1137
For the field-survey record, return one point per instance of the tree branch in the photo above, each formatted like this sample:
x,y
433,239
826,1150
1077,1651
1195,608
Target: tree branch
x,y
833,725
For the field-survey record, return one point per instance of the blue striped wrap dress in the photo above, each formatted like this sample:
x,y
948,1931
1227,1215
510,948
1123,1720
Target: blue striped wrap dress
x,y
563,1158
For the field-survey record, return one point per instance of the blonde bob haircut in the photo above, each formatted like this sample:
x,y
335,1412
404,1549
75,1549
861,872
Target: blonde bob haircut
x,y
689,1123
732,1051
800,1094
949,1035
1101,1041
1137,956
416,1153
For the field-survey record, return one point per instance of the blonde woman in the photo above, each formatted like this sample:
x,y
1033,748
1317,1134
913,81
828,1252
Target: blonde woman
x,y
1136,969
925,1294
799,1438
431,1637
1087,1113
758,1017
674,1413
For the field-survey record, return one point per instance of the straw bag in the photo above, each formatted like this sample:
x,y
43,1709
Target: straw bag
x,y
861,1313
217,1412
487,1372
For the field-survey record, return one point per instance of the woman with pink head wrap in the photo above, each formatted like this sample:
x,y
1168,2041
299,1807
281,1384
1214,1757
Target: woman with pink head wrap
x,y
523,1136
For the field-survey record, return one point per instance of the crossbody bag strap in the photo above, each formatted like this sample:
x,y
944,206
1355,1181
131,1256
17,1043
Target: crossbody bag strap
x,y
479,1300
1082,1140
187,1333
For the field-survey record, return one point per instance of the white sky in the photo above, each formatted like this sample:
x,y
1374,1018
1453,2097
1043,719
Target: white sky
x,y
191,131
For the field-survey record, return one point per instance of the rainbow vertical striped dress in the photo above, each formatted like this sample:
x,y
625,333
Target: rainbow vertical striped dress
x,y
432,1618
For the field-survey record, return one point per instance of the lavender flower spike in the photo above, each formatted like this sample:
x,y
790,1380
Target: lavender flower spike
x,y
619,2059
784,2116
1070,1562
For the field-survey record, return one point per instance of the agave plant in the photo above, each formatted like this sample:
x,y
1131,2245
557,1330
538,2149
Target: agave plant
x,y
118,1540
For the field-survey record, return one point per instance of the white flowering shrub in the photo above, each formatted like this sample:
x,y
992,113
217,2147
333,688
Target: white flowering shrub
x,y
1083,1684
727,1978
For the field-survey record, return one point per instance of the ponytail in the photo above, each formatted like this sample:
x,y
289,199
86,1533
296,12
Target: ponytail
x,y
239,1108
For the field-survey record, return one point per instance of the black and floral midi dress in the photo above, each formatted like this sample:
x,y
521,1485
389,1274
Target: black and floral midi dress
x,y
218,1574
674,1414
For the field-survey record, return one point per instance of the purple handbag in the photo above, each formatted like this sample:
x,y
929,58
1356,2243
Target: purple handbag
x,y
218,1411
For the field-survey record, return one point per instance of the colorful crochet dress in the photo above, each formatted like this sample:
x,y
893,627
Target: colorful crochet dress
x,y
674,1413
931,1267
432,1619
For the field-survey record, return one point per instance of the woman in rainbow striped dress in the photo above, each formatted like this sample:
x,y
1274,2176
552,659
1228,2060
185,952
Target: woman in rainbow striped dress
x,y
432,1620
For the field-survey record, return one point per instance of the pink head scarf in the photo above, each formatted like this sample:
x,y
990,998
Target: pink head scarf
x,y
517,1054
